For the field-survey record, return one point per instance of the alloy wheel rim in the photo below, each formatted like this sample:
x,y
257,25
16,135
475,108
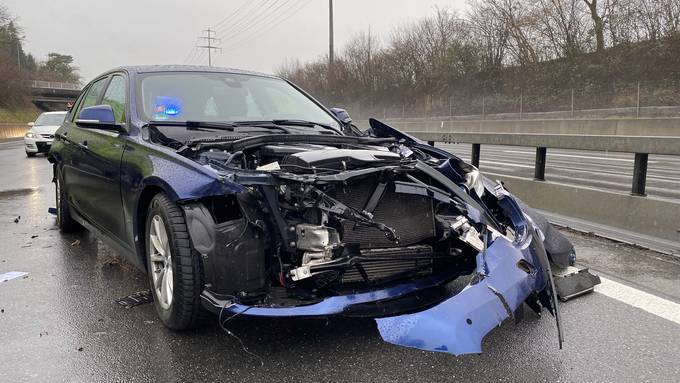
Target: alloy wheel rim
x,y
161,262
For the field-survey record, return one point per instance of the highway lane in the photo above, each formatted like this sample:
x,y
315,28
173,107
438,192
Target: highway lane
x,y
60,323
610,171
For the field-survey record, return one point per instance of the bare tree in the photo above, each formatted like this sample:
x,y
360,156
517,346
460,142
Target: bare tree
x,y
599,12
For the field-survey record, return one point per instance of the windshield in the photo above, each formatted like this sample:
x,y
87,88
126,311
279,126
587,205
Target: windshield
x,y
223,97
50,119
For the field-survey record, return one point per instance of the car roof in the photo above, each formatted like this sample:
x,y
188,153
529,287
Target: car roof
x,y
186,68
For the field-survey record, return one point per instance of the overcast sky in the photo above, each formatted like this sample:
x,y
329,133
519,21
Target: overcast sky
x,y
102,34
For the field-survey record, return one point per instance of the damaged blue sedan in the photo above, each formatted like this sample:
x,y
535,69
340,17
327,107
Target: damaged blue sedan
x,y
239,194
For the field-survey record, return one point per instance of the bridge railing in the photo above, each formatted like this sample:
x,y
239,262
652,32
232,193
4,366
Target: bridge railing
x,y
55,85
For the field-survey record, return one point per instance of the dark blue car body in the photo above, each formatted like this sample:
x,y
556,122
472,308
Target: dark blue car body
x,y
111,174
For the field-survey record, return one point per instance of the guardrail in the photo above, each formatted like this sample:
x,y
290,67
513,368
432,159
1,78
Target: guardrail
x,y
640,145
655,218
55,85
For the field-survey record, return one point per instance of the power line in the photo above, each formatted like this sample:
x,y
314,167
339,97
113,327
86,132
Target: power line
x,y
209,44
250,16
269,26
194,52
234,14
264,16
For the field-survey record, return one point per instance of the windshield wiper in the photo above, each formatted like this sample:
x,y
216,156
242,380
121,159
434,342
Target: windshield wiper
x,y
305,123
196,125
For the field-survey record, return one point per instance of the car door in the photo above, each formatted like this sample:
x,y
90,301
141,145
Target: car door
x,y
98,193
74,180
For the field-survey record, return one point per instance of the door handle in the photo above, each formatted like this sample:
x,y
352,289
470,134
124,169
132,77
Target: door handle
x,y
83,145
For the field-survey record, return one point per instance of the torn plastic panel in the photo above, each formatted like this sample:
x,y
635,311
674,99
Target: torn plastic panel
x,y
458,325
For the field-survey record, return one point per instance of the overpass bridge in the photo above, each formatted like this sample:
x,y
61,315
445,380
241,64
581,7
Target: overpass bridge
x,y
48,95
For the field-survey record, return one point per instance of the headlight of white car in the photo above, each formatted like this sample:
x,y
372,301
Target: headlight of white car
x,y
30,135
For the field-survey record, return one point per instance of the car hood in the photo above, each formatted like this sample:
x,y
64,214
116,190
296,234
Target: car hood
x,y
44,129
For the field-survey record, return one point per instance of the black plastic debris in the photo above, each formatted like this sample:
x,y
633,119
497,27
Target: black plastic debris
x,y
136,299
52,210
16,220
573,282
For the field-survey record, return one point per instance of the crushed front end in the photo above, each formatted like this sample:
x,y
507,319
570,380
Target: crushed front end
x,y
366,226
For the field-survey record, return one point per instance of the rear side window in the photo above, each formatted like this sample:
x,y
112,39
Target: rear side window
x,y
115,97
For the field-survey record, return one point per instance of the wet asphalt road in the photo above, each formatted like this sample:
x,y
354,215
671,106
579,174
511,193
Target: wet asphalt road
x,y
60,323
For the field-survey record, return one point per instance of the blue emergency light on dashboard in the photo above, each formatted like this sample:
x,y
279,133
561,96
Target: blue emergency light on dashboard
x,y
167,107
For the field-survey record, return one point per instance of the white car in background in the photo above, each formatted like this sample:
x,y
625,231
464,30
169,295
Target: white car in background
x,y
39,137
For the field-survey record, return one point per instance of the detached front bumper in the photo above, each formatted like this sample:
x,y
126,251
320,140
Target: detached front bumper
x,y
507,274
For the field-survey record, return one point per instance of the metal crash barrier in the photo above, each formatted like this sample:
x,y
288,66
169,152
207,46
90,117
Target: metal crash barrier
x,y
652,221
640,145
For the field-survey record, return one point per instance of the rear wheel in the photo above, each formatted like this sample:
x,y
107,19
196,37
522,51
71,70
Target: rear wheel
x,y
174,269
65,222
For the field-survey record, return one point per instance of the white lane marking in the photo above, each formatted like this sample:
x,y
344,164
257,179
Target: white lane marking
x,y
497,168
507,164
645,301
579,156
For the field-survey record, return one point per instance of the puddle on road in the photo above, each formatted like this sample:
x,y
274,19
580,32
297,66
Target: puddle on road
x,y
18,192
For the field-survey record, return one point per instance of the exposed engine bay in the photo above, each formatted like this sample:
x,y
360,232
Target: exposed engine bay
x,y
325,215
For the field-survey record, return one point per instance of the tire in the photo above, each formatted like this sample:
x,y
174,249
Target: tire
x,y
29,154
178,304
65,222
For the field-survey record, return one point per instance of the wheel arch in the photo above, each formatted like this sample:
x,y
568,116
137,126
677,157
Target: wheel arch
x,y
145,196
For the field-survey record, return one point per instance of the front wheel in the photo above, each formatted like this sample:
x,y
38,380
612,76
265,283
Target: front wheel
x,y
30,154
175,273
65,222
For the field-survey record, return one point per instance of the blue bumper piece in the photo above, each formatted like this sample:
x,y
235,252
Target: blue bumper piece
x,y
458,324
336,305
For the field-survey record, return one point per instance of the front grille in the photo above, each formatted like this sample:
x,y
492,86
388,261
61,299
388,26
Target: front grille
x,y
50,136
411,216
43,146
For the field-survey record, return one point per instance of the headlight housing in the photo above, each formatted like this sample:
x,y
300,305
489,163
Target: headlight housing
x,y
30,135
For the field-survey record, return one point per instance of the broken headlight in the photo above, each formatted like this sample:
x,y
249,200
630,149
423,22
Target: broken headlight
x,y
473,181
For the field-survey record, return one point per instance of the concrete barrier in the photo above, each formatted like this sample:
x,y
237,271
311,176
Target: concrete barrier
x,y
651,216
621,126
611,143
8,131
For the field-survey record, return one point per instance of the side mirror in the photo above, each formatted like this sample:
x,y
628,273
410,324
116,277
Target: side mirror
x,y
31,124
99,117
341,115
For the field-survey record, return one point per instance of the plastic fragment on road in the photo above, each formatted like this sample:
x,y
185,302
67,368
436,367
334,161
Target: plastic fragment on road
x,y
75,243
8,276
136,299
52,210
